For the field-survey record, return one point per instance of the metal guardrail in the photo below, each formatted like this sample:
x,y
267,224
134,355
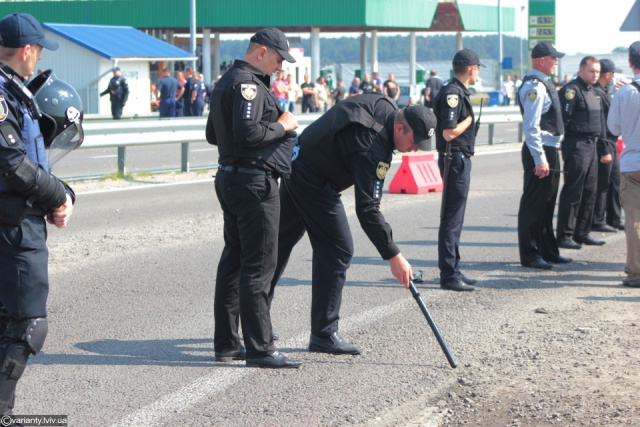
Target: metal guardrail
x,y
120,134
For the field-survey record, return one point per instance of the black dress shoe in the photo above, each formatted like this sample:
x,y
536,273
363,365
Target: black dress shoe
x,y
275,360
228,355
559,260
633,283
588,240
618,226
603,228
333,344
538,263
567,243
467,280
457,285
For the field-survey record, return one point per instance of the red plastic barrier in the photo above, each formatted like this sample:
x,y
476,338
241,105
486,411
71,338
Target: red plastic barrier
x,y
417,175
620,146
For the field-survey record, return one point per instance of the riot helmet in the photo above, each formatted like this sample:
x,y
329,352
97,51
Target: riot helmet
x,y
62,114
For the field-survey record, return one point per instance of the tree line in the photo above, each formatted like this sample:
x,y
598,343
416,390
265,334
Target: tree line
x,y
396,48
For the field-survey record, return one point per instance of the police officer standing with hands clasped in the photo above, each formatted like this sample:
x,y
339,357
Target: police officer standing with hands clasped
x,y
455,141
350,145
543,129
250,130
28,193
582,116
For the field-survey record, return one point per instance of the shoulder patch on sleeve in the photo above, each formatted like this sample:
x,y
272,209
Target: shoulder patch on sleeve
x,y
532,95
570,94
4,109
249,91
9,135
452,100
382,169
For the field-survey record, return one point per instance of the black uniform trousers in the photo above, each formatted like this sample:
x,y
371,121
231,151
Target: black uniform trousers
x,y
457,183
116,108
535,216
24,259
607,210
578,195
251,211
310,204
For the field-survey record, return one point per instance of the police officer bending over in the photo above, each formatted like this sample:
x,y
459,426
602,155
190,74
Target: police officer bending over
x,y
28,193
249,128
350,145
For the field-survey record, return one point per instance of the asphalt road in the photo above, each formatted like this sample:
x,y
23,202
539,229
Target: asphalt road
x,y
131,313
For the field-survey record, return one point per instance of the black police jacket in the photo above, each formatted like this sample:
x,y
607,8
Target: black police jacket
x,y
581,110
607,142
451,106
551,120
352,145
243,124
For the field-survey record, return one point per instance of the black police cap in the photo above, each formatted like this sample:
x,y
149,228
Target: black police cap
x,y
275,39
21,29
543,49
607,66
467,57
423,124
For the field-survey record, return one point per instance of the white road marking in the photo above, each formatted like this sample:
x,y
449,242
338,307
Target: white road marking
x,y
173,404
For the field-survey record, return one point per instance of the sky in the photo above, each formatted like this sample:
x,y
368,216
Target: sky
x,y
592,30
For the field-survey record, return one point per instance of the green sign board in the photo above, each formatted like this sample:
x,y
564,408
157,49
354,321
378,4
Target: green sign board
x,y
542,22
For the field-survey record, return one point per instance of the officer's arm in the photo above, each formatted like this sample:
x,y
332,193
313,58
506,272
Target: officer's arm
x,y
532,99
368,175
452,109
615,115
22,174
210,132
125,91
248,128
568,97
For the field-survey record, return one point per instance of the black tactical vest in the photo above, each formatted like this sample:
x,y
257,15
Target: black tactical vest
x,y
585,119
551,121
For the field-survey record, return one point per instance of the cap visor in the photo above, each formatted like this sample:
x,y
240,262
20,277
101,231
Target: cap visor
x,y
287,56
482,65
423,144
49,44
557,55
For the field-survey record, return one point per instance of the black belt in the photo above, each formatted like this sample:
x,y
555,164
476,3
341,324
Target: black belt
x,y
455,154
35,210
235,169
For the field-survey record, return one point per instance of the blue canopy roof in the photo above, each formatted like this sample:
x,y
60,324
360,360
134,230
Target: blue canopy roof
x,y
115,42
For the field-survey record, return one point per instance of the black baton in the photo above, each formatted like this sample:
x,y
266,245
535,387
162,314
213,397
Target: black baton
x,y
434,328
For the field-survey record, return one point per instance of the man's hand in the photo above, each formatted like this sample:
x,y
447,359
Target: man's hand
x,y
60,216
541,170
401,269
607,158
288,120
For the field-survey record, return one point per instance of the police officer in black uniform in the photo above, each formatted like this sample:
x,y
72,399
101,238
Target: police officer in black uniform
x,y
118,91
543,132
455,141
607,211
350,145
582,116
28,194
250,130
